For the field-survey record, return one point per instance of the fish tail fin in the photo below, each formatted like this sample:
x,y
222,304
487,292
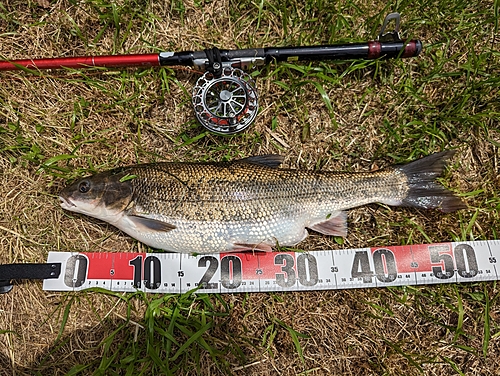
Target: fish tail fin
x,y
424,192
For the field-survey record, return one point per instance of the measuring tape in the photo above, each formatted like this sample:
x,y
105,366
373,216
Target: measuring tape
x,y
419,264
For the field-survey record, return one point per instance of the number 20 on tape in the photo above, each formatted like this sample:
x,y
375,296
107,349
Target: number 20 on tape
x,y
278,271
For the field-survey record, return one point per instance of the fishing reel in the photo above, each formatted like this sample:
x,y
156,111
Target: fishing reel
x,y
225,104
225,99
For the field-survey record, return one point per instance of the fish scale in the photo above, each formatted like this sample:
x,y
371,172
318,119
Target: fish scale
x,y
248,203
253,188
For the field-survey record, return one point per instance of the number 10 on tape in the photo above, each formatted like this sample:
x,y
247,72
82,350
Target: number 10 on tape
x,y
278,271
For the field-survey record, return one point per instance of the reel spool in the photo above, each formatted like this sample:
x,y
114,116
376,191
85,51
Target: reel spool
x,y
226,103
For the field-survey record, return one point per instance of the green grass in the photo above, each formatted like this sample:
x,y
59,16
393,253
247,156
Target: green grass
x,y
172,334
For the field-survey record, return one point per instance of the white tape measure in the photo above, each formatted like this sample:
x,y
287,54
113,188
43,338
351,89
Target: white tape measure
x,y
278,271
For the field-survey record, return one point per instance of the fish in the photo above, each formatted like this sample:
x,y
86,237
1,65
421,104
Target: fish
x,y
250,204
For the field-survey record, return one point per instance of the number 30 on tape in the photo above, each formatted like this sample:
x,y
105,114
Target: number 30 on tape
x,y
278,271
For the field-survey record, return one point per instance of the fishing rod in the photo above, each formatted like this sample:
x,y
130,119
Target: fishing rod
x,y
225,98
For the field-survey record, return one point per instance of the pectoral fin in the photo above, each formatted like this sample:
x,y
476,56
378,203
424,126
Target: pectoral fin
x,y
335,225
148,224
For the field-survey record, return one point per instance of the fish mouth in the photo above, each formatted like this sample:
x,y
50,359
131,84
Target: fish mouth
x,y
66,203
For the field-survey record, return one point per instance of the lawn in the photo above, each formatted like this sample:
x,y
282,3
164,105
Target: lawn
x,y
56,126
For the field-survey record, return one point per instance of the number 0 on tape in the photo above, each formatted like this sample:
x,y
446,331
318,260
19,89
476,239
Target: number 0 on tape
x,y
278,271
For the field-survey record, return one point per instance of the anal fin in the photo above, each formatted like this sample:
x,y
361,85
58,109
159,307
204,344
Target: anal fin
x,y
336,225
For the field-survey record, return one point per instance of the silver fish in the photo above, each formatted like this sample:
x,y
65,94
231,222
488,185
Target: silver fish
x,y
248,204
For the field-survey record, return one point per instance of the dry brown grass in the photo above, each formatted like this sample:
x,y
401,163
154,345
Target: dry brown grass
x,y
115,118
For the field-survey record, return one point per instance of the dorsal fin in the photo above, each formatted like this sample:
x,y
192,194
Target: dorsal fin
x,y
268,160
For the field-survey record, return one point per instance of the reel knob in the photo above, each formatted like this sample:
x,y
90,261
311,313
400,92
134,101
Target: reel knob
x,y
227,104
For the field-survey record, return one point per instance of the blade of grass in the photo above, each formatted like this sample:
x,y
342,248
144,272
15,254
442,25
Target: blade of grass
x,y
487,329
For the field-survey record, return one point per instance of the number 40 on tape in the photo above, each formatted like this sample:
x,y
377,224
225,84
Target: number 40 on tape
x,y
278,271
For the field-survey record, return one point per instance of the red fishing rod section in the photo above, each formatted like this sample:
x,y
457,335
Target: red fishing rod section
x,y
109,61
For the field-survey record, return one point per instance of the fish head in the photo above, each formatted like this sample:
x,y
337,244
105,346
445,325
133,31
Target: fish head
x,y
104,196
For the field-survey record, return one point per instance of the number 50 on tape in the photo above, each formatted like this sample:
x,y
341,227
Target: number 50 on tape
x,y
278,271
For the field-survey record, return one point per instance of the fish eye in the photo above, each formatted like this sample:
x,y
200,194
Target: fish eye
x,y
84,186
